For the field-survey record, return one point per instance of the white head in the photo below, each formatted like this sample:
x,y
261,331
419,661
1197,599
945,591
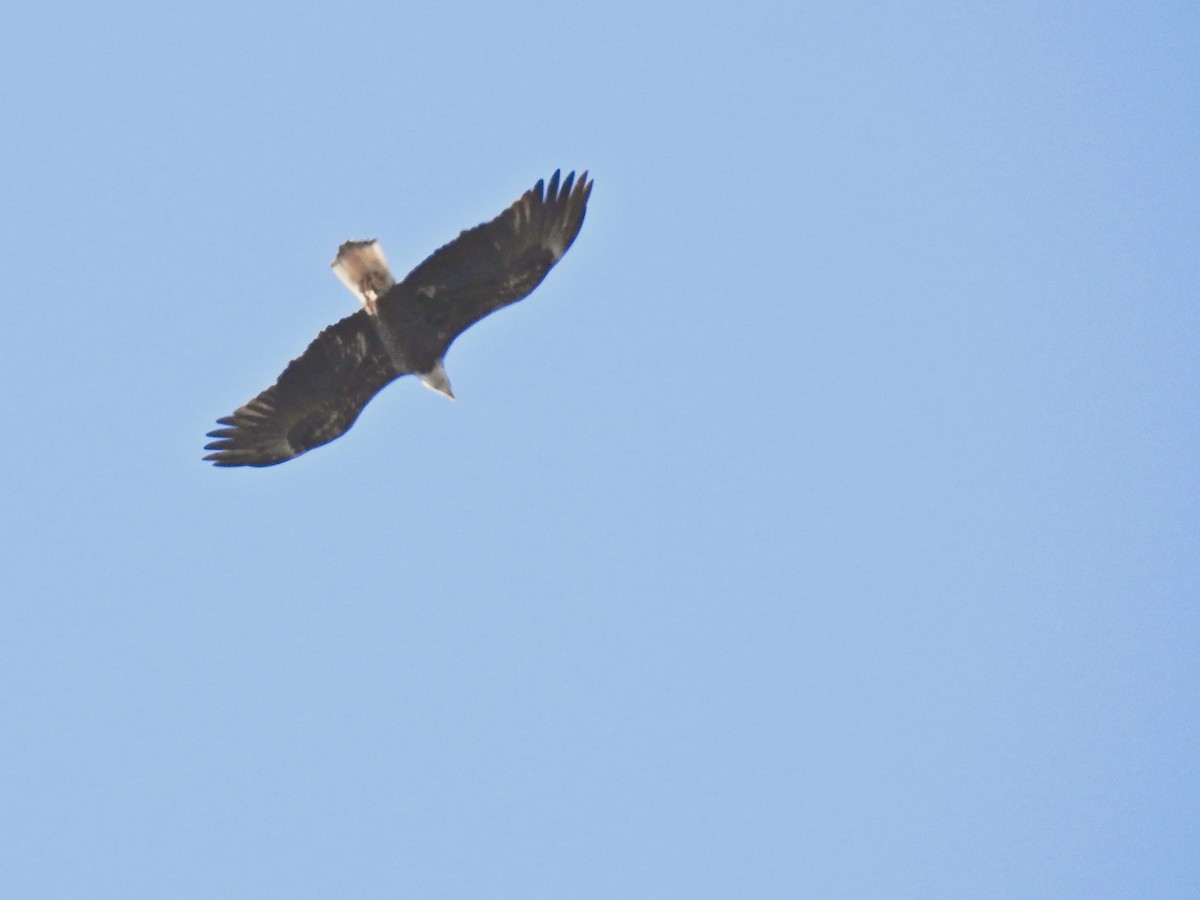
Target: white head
x,y
435,379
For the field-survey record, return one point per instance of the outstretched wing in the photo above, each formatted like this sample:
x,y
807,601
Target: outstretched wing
x,y
318,397
501,261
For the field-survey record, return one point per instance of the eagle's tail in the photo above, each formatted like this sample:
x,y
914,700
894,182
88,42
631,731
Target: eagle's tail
x,y
363,268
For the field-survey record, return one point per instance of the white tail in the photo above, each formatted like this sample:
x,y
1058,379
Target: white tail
x,y
363,268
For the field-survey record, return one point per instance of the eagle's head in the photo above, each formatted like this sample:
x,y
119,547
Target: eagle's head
x,y
435,379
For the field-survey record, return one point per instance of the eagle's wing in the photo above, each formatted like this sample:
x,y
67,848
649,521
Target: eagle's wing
x,y
501,261
318,397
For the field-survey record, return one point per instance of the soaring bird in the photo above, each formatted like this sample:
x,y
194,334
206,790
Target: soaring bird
x,y
403,328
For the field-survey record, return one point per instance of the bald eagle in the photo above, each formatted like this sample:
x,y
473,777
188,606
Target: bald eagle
x,y
403,328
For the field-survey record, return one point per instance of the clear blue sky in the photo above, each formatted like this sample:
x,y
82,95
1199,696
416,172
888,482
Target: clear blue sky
x,y
826,525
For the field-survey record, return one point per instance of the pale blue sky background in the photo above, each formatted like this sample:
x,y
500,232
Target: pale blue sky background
x,y
825,526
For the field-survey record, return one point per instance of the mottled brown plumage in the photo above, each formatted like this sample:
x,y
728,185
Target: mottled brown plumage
x,y
405,331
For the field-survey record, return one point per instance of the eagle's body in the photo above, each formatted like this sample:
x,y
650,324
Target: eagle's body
x,y
403,328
